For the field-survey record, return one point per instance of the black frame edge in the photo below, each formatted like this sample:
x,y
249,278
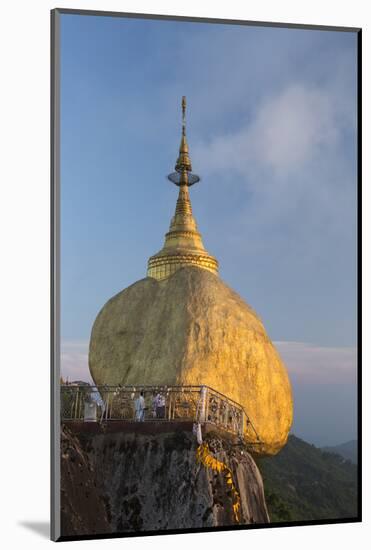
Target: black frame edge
x,y
55,530
196,19
359,268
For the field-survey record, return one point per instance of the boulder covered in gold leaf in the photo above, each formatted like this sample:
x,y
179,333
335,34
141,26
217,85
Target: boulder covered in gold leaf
x,y
191,328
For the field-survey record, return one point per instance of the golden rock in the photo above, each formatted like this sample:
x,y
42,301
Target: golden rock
x,y
191,328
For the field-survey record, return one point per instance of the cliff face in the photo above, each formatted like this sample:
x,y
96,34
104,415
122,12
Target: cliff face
x,y
113,481
191,328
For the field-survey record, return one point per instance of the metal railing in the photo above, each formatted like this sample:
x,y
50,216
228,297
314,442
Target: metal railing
x,y
200,404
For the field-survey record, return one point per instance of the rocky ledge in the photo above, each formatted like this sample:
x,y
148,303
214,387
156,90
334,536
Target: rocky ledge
x,y
115,481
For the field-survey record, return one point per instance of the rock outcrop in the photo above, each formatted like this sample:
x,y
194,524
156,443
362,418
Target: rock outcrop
x,y
191,328
117,482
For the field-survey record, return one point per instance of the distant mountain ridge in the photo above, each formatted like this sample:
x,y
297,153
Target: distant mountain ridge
x,y
348,450
302,482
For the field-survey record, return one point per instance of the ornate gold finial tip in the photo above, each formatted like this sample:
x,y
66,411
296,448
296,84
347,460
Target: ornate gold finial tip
x,y
183,167
183,114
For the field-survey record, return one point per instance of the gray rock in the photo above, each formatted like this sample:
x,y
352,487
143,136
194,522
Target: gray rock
x,y
146,482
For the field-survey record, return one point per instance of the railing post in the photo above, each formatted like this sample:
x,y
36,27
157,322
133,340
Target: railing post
x,y
203,396
242,426
76,404
107,405
169,406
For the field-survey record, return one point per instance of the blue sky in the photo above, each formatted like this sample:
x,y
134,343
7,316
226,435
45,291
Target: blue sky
x,y
272,131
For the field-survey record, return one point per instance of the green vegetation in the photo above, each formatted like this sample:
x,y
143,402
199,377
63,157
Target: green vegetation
x,y
305,483
348,450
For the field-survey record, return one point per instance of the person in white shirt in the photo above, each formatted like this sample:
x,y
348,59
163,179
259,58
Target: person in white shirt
x,y
139,408
160,408
154,404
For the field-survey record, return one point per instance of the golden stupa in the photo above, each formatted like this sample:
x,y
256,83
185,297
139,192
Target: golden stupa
x,y
183,325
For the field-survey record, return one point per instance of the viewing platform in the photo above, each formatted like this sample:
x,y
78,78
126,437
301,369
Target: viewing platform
x,y
154,409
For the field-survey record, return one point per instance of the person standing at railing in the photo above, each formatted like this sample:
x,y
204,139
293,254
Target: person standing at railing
x,y
139,408
154,405
160,406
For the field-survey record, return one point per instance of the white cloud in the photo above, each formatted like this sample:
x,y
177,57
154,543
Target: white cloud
x,y
290,128
74,360
287,132
291,165
307,363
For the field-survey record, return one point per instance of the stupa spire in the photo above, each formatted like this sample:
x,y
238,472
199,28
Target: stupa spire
x,y
183,244
183,162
